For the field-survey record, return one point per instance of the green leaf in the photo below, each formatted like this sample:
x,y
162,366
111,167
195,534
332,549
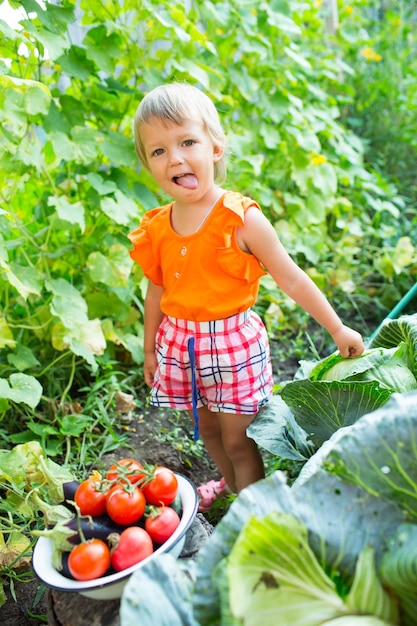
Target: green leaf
x,y
399,572
324,179
11,35
275,429
197,70
133,344
391,367
68,212
314,504
3,596
166,579
304,138
321,407
54,42
67,303
367,594
119,149
22,388
102,186
282,22
86,141
299,59
75,63
394,331
89,342
23,358
42,430
358,620
75,425
274,577
121,209
6,336
113,269
29,152
36,95
62,145
379,453
103,48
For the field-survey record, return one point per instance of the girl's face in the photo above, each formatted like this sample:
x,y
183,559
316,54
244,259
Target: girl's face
x,y
181,158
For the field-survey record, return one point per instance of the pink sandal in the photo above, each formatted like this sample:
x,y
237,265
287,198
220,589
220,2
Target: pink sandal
x,y
210,492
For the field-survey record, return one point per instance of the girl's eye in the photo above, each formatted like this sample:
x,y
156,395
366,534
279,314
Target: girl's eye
x,y
157,152
189,142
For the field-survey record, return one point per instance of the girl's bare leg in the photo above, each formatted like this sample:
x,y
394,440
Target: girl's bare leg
x,y
236,455
240,449
211,434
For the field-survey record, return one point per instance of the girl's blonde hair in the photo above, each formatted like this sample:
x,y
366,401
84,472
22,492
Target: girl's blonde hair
x,y
177,102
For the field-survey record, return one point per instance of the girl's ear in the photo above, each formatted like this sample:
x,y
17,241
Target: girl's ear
x,y
218,152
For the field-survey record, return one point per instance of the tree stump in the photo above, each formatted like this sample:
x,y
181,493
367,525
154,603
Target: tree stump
x,y
73,609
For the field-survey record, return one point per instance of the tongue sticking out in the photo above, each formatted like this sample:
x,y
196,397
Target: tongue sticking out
x,y
189,181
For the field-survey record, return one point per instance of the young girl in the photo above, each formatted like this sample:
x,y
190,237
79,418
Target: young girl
x,y
205,350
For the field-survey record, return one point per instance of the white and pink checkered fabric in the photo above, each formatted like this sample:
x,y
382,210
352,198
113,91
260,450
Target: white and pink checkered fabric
x,y
233,369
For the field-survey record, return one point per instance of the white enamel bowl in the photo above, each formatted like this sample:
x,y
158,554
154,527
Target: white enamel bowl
x,y
111,586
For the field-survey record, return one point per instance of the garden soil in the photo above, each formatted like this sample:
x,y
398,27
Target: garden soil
x,y
148,444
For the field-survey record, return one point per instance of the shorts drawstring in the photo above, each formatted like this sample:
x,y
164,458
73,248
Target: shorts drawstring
x,y
194,389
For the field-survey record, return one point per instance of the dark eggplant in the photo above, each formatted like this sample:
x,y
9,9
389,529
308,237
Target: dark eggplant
x,y
93,528
64,566
69,492
69,489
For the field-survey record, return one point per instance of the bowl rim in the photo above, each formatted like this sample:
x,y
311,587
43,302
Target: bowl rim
x,y
42,552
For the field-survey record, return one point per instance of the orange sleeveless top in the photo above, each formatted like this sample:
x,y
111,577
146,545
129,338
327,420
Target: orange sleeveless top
x,y
206,276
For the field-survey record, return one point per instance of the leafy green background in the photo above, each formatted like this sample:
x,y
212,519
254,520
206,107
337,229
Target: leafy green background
x,y
321,134
322,131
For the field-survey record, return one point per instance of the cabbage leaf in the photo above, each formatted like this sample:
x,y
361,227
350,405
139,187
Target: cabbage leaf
x,y
276,430
328,508
393,332
275,578
391,367
367,594
161,596
399,570
380,454
335,392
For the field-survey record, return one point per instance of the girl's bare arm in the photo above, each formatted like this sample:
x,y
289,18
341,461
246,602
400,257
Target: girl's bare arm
x,y
153,318
258,237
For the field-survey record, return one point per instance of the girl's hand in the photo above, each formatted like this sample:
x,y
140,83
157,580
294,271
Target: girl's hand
x,y
349,342
149,367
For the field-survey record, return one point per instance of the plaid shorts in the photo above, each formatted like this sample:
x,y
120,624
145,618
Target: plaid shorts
x,y
230,364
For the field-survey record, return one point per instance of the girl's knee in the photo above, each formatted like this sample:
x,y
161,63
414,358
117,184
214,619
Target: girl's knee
x,y
238,448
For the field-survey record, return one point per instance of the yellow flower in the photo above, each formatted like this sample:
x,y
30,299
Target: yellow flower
x,y
370,55
348,10
318,159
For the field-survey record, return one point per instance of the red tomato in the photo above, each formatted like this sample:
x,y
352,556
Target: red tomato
x,y
89,560
125,507
128,468
133,546
89,499
161,523
162,488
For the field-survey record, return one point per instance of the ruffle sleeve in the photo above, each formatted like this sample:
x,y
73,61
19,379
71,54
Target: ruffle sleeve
x,y
231,259
142,251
